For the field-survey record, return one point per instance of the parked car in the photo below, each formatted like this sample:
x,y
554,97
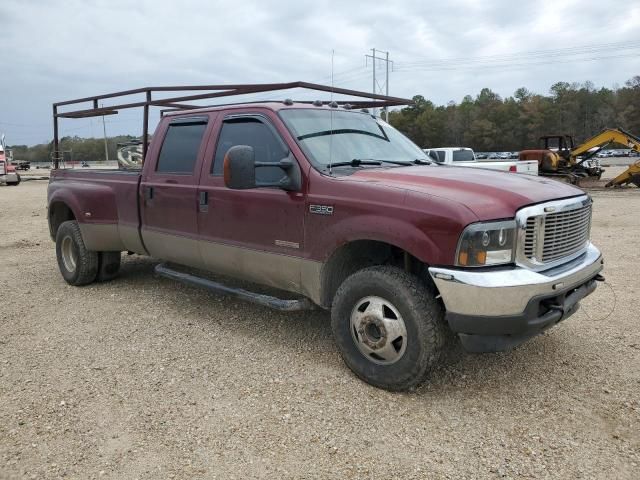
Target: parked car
x,y
605,154
465,157
340,208
21,164
481,156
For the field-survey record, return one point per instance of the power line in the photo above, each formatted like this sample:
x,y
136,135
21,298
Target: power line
x,y
510,65
587,49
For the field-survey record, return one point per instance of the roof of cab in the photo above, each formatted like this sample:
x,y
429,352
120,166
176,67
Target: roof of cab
x,y
271,105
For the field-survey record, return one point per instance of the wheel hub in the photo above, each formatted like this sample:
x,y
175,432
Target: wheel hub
x,y
372,332
69,257
378,330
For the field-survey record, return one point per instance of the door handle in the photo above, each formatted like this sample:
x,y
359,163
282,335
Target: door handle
x,y
203,202
148,194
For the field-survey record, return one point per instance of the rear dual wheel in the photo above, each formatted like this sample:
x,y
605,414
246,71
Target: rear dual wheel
x,y
108,266
389,328
78,265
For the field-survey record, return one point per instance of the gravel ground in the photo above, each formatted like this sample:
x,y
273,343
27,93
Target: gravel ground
x,y
146,378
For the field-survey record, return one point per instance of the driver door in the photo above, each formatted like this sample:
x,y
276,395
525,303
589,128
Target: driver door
x,y
254,234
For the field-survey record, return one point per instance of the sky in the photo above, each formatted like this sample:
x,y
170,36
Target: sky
x,y
58,50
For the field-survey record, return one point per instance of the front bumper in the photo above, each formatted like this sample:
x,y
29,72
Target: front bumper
x,y
10,177
497,309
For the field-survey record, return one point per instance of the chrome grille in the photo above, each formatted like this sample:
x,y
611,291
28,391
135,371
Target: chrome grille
x,y
565,233
549,237
530,238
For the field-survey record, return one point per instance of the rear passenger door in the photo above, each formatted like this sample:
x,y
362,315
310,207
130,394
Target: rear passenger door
x,y
169,190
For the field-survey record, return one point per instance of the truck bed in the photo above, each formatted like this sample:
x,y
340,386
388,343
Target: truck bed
x,y
105,203
529,167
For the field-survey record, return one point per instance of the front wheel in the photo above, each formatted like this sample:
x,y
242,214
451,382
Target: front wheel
x,y
78,265
389,328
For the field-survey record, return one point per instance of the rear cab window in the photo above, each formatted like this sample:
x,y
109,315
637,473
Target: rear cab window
x,y
463,155
179,151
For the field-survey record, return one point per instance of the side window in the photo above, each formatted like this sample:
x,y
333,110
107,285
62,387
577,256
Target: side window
x,y
250,131
181,144
441,154
463,155
433,155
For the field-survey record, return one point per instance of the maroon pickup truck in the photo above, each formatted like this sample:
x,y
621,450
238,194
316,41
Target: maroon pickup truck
x,y
338,207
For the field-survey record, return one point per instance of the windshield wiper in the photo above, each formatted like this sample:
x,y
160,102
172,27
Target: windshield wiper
x,y
417,161
356,162
421,161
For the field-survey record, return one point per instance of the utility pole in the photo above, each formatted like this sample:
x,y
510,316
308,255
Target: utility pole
x,y
377,88
373,63
106,148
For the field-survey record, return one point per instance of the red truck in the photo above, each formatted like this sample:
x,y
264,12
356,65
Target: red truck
x,y
331,203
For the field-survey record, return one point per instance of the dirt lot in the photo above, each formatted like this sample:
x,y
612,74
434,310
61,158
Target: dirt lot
x,y
145,378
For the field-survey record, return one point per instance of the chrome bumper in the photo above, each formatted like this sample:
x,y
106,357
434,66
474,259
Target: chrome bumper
x,y
508,292
9,178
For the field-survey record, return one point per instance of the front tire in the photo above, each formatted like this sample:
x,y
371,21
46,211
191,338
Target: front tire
x,y
78,265
390,330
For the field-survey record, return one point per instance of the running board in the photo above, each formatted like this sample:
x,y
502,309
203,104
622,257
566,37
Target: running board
x,y
260,299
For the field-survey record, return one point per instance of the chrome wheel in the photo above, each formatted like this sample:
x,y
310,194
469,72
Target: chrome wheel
x,y
378,330
69,257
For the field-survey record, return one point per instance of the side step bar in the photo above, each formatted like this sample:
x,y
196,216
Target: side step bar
x,y
265,300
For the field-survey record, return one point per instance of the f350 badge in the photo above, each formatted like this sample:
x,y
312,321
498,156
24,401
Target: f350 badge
x,y
321,209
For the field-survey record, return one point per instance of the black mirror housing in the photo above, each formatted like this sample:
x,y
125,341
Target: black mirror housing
x,y
240,168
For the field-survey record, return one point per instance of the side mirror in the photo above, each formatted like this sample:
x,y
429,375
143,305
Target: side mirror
x,y
240,168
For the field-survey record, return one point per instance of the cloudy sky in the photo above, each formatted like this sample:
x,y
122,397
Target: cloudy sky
x,y
56,50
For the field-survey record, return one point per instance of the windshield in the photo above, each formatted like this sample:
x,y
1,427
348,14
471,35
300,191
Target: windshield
x,y
348,136
463,155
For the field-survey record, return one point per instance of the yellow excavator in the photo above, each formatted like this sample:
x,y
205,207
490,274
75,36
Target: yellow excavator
x,y
560,158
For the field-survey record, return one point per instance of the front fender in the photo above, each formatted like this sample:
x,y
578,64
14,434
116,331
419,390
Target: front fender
x,y
393,231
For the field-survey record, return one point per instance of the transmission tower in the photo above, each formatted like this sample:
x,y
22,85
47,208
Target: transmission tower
x,y
379,88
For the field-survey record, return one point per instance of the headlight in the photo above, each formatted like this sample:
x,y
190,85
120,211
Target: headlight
x,y
491,243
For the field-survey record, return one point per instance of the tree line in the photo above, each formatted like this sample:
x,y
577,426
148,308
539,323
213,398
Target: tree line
x,y
491,123
74,148
484,123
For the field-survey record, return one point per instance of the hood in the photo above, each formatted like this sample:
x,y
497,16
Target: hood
x,y
489,194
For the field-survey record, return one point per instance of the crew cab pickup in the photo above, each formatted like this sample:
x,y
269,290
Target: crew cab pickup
x,y
341,209
465,157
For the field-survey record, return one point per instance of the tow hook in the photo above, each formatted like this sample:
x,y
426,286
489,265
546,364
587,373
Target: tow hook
x,y
599,278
